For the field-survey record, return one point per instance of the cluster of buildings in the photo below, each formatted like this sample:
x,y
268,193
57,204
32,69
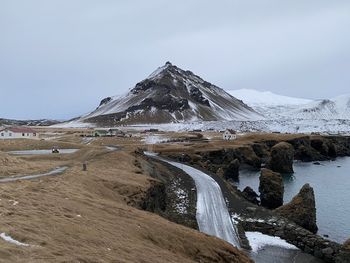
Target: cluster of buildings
x,y
113,132
29,133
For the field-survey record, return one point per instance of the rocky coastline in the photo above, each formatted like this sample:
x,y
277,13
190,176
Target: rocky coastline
x,y
278,156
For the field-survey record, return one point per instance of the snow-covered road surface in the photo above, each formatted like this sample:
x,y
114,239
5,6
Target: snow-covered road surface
x,y
42,152
212,215
56,171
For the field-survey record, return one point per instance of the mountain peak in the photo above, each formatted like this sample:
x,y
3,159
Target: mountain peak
x,y
160,71
171,74
171,94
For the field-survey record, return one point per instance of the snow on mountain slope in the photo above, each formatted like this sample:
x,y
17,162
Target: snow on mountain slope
x,y
271,105
337,108
170,95
255,97
279,107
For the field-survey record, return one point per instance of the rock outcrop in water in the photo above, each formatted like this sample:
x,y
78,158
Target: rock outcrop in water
x,y
232,171
271,189
282,156
302,209
249,194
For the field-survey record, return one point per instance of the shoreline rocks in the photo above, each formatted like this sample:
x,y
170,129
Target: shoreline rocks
x,y
302,209
282,157
312,244
271,189
344,253
249,194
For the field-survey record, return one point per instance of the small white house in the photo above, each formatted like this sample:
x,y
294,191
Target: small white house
x,y
116,132
18,133
229,135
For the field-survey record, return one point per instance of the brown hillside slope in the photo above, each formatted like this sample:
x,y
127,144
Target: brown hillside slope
x,y
84,217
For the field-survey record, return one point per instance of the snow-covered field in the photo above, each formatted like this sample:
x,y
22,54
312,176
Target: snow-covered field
x,y
282,126
258,241
285,125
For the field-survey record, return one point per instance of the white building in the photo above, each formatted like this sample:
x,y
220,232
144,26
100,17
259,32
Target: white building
x,y
18,133
229,135
116,132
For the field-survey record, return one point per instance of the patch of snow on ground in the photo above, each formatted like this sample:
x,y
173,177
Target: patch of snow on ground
x,y
154,139
236,218
258,241
14,202
151,154
181,206
74,124
12,241
87,140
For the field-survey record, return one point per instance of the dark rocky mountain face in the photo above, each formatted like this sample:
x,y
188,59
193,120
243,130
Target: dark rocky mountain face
x,y
170,94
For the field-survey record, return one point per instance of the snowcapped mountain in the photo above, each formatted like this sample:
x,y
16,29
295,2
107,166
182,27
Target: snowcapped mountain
x,y
328,109
170,95
271,105
274,106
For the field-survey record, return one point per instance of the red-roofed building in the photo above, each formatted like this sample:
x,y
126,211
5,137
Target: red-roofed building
x,y
18,133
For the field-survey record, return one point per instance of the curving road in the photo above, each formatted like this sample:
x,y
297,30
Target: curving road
x,y
212,216
56,171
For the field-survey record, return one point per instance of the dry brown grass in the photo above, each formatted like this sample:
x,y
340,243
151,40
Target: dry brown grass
x,y
84,217
27,144
12,165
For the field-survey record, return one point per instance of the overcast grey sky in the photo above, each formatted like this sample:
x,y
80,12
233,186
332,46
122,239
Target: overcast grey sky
x,y
58,58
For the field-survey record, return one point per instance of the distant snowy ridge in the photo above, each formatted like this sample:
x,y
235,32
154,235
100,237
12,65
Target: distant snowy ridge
x,y
337,108
255,97
272,106
278,107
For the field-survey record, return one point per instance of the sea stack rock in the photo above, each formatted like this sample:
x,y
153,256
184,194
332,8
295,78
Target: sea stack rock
x,y
344,254
232,171
249,194
302,209
282,156
271,189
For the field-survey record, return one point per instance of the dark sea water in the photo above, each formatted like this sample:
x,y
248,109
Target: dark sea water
x,y
331,183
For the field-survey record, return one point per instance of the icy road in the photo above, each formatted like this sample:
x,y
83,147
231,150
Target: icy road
x,y
212,216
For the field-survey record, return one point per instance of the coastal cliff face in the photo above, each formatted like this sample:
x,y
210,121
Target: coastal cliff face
x,y
278,155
